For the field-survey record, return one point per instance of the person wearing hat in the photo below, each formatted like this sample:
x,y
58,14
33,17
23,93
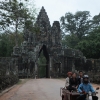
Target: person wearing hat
x,y
67,83
69,75
84,88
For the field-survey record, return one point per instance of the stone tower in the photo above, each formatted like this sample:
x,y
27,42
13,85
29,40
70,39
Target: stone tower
x,y
47,38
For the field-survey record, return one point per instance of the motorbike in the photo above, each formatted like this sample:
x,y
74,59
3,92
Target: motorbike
x,y
90,94
66,95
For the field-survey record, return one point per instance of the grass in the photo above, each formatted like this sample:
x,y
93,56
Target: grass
x,y
22,81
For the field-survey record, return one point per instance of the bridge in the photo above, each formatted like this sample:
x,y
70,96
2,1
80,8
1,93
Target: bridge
x,y
37,89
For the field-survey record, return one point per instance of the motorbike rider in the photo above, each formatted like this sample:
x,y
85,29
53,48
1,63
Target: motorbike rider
x,y
84,88
69,75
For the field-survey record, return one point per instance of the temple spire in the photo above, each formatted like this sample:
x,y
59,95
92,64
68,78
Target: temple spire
x,y
43,17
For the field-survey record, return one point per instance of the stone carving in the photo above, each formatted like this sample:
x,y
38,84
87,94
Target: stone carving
x,y
59,60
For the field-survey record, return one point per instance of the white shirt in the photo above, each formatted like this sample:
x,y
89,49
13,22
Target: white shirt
x,y
67,82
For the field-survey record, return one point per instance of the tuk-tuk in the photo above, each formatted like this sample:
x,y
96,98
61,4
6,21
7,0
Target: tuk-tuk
x,y
67,95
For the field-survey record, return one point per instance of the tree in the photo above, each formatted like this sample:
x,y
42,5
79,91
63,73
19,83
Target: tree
x,y
90,46
84,34
14,16
77,24
96,22
7,43
70,41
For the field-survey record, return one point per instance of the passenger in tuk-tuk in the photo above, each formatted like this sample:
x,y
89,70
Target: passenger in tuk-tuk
x,y
84,88
73,83
69,75
80,77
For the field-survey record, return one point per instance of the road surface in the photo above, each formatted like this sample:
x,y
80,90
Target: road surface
x,y
36,89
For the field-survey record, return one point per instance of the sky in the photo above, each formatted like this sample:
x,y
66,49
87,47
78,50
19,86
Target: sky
x,y
57,8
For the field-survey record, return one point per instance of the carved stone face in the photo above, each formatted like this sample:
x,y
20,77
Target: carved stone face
x,y
43,28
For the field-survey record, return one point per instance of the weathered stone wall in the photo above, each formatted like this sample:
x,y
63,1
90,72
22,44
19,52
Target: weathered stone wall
x,y
94,70
8,72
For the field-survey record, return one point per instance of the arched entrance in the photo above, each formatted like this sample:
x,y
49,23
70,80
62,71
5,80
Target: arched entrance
x,y
46,55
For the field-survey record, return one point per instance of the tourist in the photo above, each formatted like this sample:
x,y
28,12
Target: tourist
x,y
73,83
84,88
80,77
69,75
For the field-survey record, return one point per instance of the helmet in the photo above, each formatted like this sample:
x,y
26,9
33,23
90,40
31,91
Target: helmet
x,y
84,79
85,76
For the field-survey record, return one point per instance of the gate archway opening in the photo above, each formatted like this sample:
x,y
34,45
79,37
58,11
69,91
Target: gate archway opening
x,y
44,52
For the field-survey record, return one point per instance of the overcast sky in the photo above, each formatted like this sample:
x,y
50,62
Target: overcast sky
x,y
57,8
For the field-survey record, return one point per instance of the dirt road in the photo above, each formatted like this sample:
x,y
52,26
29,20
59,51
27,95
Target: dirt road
x,y
36,89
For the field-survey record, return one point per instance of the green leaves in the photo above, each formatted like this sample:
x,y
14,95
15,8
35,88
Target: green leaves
x,y
14,12
14,16
7,43
84,34
96,21
70,40
90,46
78,23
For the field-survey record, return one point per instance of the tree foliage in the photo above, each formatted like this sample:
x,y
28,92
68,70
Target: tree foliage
x,y
15,20
84,34
70,41
90,46
7,43
78,23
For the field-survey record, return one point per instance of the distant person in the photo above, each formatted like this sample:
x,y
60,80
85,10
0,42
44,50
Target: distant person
x,y
73,83
80,77
69,75
84,88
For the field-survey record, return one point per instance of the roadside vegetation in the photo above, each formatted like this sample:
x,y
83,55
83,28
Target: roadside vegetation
x,y
81,31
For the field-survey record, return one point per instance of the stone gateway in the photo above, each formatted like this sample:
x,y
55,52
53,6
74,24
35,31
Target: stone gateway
x,y
59,59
